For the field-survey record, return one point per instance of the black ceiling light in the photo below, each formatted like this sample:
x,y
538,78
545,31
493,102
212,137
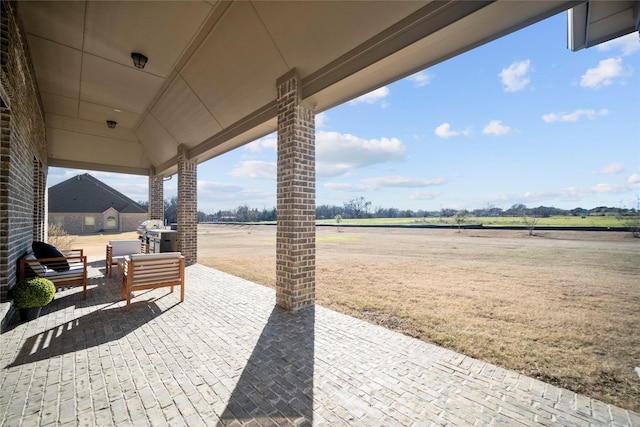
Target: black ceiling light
x,y
139,60
111,124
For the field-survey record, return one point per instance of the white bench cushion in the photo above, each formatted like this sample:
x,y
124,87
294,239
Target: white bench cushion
x,y
124,247
162,255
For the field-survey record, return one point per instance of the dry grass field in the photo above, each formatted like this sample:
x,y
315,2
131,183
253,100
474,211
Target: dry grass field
x,y
563,307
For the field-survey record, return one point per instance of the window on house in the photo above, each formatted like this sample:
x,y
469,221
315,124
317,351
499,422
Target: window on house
x,y
89,223
111,222
57,220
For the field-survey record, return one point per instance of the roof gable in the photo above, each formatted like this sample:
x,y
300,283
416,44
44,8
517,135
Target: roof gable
x,y
84,193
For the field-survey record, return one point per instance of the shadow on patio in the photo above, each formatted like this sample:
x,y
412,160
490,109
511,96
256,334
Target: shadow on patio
x,y
96,328
276,384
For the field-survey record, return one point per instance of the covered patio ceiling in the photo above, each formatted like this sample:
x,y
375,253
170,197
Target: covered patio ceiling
x,y
210,81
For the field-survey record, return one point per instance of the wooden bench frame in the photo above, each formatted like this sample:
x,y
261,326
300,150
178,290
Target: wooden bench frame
x,y
115,252
151,271
77,274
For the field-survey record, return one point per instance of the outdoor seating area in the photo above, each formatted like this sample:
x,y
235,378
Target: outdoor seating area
x,y
228,355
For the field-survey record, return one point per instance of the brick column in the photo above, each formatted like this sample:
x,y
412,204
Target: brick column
x,y
187,206
296,231
156,196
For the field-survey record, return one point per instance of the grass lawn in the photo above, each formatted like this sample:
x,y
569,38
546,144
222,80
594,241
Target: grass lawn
x,y
562,307
557,221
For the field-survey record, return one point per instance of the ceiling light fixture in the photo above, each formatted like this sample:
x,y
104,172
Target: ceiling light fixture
x,y
139,60
111,124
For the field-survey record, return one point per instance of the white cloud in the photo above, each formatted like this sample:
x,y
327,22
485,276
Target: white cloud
x,y
612,169
628,44
609,188
576,194
256,169
445,131
575,116
424,195
421,78
218,187
321,120
337,153
565,194
604,74
495,127
515,77
375,183
269,142
213,201
346,187
402,181
372,97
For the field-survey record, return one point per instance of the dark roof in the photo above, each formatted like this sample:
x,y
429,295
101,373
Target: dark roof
x,y
84,193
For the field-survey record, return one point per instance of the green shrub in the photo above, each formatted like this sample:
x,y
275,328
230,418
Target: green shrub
x,y
35,292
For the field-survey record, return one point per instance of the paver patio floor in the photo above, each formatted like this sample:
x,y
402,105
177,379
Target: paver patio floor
x,y
228,356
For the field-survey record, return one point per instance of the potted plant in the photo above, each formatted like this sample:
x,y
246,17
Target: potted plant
x,y
30,295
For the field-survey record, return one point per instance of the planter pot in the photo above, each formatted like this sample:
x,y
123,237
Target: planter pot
x,y
27,314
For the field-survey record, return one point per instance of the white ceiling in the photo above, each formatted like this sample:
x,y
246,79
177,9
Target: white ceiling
x,y
210,83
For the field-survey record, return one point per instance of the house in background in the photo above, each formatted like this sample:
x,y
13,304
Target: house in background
x,y
84,204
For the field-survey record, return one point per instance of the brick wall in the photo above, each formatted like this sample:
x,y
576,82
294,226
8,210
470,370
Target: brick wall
x,y
296,232
22,148
73,223
187,207
156,196
130,222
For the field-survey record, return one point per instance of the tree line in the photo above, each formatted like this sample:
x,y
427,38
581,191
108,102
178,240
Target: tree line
x,y
359,207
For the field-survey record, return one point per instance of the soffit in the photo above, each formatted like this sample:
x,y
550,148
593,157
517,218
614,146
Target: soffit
x,y
595,22
210,83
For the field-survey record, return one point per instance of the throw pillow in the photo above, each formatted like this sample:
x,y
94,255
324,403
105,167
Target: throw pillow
x,y
45,250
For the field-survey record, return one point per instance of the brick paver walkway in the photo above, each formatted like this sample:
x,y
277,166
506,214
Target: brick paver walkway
x,y
226,356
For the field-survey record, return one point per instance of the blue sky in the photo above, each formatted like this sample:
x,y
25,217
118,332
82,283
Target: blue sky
x,y
520,120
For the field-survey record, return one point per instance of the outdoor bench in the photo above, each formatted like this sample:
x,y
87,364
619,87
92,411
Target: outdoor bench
x,y
118,249
76,274
150,271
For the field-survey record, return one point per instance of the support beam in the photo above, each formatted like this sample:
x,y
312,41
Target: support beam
x,y
187,206
296,233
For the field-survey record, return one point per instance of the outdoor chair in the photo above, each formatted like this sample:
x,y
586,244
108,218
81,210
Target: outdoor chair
x,y
118,249
151,271
68,270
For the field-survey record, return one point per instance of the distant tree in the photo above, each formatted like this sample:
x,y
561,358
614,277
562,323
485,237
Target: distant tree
x,y
59,238
171,210
338,219
246,214
460,218
358,207
144,204
516,210
327,212
267,215
530,218
447,213
633,221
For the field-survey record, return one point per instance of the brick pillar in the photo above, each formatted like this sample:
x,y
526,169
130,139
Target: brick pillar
x,y
187,206
296,232
156,196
